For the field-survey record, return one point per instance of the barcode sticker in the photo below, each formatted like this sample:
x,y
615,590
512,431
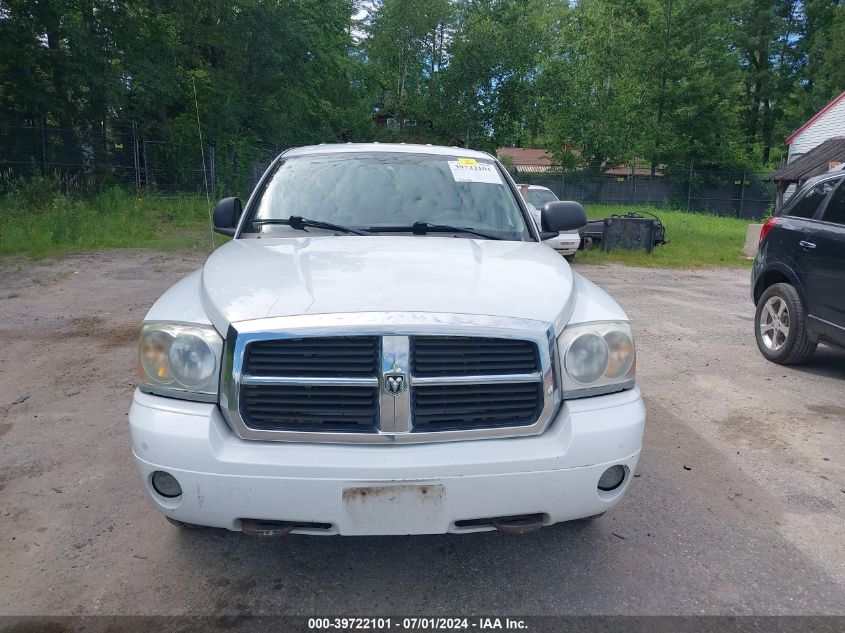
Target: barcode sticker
x,y
470,170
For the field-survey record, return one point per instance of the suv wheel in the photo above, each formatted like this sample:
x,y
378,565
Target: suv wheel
x,y
780,326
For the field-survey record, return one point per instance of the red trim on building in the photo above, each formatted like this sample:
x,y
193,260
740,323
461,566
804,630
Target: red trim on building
x,y
815,118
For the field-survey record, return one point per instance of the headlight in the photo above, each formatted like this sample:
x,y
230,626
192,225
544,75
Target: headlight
x,y
179,360
597,358
586,358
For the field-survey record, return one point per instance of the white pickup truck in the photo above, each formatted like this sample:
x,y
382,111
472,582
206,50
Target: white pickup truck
x,y
386,347
567,242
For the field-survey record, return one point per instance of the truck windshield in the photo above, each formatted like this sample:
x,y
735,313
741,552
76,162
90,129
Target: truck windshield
x,y
369,191
539,197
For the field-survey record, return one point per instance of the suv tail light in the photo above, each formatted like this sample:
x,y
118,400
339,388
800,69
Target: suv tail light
x,y
768,226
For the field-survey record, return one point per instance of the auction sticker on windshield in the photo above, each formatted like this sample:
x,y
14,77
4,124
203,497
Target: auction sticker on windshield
x,y
470,170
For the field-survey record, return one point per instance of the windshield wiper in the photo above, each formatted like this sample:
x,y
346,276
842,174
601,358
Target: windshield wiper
x,y
423,228
299,223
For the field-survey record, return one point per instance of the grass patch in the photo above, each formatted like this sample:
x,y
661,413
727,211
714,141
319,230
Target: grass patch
x,y
41,221
113,219
695,240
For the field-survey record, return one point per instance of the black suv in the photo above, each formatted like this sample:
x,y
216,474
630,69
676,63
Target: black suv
x,y
798,281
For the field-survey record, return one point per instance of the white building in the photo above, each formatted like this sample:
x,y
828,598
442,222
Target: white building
x,y
814,148
829,122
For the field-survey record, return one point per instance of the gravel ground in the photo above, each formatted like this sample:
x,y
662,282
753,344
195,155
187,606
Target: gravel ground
x,y
737,509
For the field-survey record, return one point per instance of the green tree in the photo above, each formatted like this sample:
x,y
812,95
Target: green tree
x,y
405,48
714,83
692,86
593,84
767,35
826,52
275,70
58,65
487,96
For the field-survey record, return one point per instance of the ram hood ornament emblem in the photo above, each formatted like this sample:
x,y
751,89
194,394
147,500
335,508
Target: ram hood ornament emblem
x,y
395,382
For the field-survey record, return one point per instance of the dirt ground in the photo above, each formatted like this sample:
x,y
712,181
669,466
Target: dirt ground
x,y
738,505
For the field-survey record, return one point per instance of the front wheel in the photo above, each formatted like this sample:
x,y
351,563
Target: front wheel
x,y
780,326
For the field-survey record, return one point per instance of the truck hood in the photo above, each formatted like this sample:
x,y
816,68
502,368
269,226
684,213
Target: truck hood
x,y
257,278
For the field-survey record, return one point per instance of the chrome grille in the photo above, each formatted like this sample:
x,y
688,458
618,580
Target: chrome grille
x,y
312,384
452,407
310,407
397,377
468,355
324,356
452,390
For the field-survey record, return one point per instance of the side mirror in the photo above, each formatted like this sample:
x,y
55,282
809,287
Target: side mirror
x,y
563,216
226,215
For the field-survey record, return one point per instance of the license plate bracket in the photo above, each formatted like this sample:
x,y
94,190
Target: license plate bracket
x,y
393,509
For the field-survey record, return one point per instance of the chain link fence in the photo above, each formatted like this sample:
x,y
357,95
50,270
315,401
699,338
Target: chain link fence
x,y
89,159
739,194
86,160
83,158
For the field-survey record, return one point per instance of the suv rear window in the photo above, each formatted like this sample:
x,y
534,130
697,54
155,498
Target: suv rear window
x,y
806,207
835,211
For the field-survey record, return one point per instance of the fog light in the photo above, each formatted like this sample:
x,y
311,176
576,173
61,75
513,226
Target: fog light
x,y
612,478
166,485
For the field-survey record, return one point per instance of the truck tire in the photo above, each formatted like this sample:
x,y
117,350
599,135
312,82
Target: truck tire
x,y
780,326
